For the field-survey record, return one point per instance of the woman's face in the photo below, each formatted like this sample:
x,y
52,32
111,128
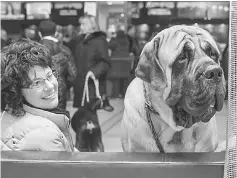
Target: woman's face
x,y
43,92
59,36
142,35
30,34
84,26
132,32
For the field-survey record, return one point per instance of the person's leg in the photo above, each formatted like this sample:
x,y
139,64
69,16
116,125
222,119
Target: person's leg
x,y
116,89
121,87
78,87
106,103
62,96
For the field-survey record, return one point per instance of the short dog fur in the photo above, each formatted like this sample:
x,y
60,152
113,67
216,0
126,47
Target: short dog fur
x,y
179,72
86,125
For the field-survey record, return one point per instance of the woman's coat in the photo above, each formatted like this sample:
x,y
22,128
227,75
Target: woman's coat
x,y
37,130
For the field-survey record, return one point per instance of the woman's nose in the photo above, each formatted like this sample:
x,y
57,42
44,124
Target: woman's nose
x,y
48,85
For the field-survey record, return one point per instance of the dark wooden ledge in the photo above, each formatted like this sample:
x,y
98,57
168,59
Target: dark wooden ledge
x,y
111,165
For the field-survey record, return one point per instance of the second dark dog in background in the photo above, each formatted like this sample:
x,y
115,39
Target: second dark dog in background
x,y
86,125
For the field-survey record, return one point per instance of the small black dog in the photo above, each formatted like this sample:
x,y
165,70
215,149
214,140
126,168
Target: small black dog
x,y
86,125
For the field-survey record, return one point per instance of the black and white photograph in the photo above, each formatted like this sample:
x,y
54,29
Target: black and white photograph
x,y
112,89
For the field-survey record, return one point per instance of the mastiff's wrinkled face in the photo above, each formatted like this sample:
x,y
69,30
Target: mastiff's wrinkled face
x,y
182,63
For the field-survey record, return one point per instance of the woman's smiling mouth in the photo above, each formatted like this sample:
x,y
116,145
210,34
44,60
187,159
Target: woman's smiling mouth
x,y
51,96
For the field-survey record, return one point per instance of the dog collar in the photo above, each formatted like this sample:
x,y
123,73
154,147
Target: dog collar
x,y
149,106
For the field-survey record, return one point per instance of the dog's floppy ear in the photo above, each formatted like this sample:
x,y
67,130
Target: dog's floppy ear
x,y
149,68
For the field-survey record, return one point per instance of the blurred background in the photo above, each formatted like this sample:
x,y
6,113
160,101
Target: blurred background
x,y
213,16
139,20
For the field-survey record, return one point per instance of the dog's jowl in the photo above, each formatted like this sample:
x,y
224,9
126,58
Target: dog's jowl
x,y
180,77
86,125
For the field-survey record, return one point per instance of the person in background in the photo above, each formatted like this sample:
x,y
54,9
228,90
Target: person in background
x,y
90,51
4,38
32,33
141,38
61,60
59,28
32,121
111,32
119,45
131,33
71,64
69,33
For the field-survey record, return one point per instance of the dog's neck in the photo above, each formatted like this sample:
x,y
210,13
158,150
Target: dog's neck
x,y
156,100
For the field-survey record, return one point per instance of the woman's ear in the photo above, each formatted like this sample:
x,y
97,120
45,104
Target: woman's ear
x,y
149,68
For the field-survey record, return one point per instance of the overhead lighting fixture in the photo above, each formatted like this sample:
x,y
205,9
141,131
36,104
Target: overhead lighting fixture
x,y
109,3
220,7
214,7
209,26
226,9
222,25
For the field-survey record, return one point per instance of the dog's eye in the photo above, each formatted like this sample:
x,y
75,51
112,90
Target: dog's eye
x,y
183,57
212,54
181,60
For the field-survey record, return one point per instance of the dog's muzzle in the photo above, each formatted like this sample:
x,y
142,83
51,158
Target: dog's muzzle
x,y
203,98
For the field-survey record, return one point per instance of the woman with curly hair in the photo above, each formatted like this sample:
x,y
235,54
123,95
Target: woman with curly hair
x,y
31,119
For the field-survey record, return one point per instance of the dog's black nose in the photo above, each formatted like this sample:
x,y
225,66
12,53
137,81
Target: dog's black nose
x,y
213,73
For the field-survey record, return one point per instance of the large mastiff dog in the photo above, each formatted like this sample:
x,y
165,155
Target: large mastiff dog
x,y
179,85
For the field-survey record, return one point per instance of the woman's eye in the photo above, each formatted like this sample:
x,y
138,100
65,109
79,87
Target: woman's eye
x,y
37,83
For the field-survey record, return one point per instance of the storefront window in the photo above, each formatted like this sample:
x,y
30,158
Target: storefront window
x,y
38,10
191,10
11,10
218,10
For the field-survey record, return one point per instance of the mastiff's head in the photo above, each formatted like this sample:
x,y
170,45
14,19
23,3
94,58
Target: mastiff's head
x,y
182,64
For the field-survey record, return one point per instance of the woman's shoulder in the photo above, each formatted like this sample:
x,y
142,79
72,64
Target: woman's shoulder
x,y
100,35
31,132
21,132
21,124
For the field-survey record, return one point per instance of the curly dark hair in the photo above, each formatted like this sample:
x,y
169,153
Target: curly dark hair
x,y
16,61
